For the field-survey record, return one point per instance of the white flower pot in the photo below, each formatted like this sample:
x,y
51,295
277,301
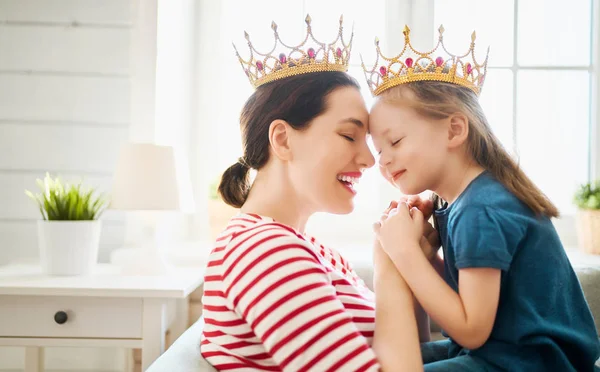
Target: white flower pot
x,y
68,247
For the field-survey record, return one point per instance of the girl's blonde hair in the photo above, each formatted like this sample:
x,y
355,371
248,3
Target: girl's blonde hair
x,y
438,100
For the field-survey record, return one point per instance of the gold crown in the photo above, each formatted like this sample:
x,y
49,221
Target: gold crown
x,y
265,68
411,65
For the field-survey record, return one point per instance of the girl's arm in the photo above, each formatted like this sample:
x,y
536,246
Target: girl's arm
x,y
469,317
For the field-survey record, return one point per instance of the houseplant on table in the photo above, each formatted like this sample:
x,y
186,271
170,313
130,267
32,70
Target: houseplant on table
x,y
69,232
587,200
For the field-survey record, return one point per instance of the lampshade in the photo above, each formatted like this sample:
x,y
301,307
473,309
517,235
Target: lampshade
x,y
151,177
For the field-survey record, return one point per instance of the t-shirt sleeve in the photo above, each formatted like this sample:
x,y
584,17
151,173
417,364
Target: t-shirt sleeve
x,y
483,237
277,284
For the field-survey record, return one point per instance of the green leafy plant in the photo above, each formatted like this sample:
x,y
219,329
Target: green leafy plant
x,y
60,201
214,189
588,196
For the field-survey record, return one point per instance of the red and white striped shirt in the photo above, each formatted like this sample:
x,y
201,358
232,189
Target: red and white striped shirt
x,y
277,300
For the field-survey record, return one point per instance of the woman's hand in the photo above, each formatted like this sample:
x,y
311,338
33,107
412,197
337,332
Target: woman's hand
x,y
383,265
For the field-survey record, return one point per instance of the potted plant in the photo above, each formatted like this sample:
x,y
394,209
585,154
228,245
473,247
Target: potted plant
x,y
587,200
69,232
219,212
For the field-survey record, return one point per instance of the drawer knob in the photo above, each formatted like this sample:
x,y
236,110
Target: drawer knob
x,y
61,317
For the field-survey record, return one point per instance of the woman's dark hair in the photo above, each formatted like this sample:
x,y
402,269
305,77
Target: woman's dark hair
x,y
297,100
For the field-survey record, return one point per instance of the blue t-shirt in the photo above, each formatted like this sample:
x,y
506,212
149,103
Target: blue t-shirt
x,y
543,321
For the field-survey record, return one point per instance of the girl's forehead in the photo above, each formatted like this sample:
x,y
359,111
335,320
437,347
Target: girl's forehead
x,y
378,130
382,119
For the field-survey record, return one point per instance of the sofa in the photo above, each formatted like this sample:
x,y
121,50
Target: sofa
x,y
184,353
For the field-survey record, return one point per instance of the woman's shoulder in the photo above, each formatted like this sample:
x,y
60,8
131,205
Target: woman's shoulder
x,y
248,225
260,235
266,231
257,249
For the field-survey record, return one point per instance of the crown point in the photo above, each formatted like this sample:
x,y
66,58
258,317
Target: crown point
x,y
473,36
274,26
246,36
406,30
376,41
341,19
308,19
441,30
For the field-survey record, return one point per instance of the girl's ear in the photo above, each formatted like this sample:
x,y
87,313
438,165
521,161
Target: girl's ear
x,y
458,129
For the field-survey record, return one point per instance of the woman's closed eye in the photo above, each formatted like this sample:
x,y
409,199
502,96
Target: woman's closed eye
x,y
349,138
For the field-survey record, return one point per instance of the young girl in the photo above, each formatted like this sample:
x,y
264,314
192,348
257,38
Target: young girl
x,y
508,297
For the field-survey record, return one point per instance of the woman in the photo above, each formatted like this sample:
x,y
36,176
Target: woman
x,y
275,298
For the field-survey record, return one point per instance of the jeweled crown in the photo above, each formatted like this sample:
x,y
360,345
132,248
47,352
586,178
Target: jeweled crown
x,y
437,65
309,56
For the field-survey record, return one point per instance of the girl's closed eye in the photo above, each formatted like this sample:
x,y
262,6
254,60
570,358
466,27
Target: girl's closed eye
x,y
397,141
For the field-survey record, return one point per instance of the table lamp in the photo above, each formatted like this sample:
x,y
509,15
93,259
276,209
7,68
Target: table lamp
x,y
152,180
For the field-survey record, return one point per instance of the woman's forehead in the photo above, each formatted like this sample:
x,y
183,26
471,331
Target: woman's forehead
x,y
347,103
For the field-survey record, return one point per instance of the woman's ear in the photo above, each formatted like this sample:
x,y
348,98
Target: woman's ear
x,y
458,129
279,132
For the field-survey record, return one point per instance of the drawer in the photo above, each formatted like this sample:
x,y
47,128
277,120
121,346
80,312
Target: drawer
x,y
86,317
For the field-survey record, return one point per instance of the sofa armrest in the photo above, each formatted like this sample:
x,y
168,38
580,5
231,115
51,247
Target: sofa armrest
x,y
184,354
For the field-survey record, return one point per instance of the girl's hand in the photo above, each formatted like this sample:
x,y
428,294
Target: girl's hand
x,y
429,242
401,230
424,205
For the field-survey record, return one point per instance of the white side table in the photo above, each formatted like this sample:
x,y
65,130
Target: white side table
x,y
106,309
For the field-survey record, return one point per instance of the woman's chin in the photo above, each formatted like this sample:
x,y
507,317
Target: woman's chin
x,y
345,207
